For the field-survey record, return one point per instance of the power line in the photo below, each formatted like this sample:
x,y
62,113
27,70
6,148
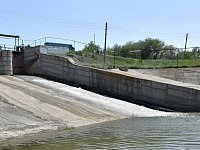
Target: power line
x,y
10,15
194,37
43,20
122,29
38,19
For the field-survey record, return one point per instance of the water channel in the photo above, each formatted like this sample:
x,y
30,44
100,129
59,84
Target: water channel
x,y
134,133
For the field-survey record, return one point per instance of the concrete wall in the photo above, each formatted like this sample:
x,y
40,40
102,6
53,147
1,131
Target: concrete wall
x,y
6,62
53,50
149,92
18,63
31,60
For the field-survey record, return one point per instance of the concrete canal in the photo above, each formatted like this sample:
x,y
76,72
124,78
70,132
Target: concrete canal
x,y
135,127
36,113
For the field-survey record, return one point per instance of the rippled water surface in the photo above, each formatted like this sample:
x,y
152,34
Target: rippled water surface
x,y
135,133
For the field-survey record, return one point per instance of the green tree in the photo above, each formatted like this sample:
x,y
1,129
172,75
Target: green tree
x,y
115,50
92,48
168,52
145,49
151,48
196,51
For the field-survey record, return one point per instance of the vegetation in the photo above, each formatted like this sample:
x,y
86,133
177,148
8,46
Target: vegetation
x,y
147,49
92,48
150,53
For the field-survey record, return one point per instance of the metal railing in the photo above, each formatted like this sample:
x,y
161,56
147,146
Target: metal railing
x,y
5,44
42,41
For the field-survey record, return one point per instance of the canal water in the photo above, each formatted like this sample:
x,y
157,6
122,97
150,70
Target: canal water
x,y
170,132
143,129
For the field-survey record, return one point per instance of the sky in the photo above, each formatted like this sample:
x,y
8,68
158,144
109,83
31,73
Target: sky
x,y
84,21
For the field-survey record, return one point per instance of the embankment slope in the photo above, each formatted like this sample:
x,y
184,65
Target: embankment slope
x,y
28,108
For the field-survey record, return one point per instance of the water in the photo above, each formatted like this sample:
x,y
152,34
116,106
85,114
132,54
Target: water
x,y
133,133
144,129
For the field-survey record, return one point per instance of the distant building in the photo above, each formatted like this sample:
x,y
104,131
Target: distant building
x,y
56,48
69,46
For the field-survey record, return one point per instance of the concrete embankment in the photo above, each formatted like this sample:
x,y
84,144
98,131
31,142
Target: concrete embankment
x,y
29,106
141,89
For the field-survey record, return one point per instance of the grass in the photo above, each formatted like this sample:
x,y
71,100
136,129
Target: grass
x,y
69,128
96,61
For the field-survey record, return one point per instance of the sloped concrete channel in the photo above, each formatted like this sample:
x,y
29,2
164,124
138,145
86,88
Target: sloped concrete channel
x,y
27,107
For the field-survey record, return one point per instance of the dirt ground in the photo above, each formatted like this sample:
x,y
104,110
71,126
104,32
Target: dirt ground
x,y
186,75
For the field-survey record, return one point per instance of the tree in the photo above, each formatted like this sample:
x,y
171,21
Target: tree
x,y
145,49
115,50
196,51
151,48
92,48
168,52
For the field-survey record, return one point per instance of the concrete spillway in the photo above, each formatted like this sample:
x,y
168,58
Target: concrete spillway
x,y
29,105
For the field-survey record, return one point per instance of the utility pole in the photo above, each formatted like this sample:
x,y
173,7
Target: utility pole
x,y
94,39
74,45
104,52
186,39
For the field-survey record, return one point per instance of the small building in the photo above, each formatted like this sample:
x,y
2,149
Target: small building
x,y
56,48
69,46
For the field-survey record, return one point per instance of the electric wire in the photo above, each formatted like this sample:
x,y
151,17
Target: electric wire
x,y
8,15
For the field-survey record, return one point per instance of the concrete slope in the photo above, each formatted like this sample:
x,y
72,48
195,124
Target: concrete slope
x,y
27,107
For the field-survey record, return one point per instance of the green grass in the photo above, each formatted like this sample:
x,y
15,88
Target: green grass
x,y
69,128
96,60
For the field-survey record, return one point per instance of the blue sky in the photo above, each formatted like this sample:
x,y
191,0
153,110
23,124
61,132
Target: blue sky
x,y
128,20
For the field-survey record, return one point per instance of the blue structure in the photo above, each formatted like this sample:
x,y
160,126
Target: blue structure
x,y
68,46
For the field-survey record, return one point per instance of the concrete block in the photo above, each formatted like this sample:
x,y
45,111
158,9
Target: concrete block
x,y
66,65
159,94
72,66
52,61
180,87
136,83
65,69
6,53
136,91
197,96
52,71
182,94
146,83
159,85
53,66
178,100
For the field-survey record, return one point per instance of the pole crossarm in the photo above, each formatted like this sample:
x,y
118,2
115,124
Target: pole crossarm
x,y
11,36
